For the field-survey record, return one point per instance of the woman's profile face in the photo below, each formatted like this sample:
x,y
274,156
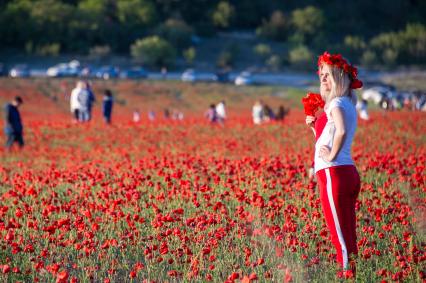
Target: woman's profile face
x,y
325,80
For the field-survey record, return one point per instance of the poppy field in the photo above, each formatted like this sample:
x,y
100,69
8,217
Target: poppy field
x,y
187,201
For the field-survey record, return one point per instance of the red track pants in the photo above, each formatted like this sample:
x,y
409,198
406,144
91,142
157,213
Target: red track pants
x,y
339,189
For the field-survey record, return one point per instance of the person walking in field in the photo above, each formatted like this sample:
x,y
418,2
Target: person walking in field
x,y
80,102
74,101
282,113
85,101
362,107
91,100
136,116
257,113
221,112
13,123
107,103
338,178
211,114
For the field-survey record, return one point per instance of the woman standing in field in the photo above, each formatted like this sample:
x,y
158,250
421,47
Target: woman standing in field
x,y
337,175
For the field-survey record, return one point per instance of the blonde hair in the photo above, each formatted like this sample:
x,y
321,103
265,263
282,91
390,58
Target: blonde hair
x,y
340,84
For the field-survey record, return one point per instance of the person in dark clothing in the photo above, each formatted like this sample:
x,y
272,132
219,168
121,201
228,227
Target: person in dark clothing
x,y
107,103
91,101
166,113
211,114
13,123
282,112
269,113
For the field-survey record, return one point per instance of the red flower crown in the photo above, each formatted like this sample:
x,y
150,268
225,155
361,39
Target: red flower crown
x,y
338,61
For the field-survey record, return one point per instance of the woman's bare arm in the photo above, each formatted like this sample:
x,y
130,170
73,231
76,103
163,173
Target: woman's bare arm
x,y
329,154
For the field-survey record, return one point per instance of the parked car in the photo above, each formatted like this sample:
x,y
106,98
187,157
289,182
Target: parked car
x,y
245,78
378,93
86,72
222,77
20,71
60,70
107,72
3,71
189,76
71,69
134,73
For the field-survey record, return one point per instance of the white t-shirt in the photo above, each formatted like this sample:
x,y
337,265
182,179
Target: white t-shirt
x,y
257,113
350,117
220,110
74,102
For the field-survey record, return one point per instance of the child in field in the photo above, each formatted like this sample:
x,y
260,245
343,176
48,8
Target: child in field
x,y
136,116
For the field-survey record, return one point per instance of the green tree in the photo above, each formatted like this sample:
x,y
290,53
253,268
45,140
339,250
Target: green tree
x,y
308,22
262,50
389,57
414,42
369,58
101,18
301,57
274,62
135,18
50,20
153,51
228,56
177,32
189,55
16,24
223,14
136,13
276,28
354,46
354,43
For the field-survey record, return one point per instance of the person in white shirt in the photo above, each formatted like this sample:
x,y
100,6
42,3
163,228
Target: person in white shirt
x,y
257,113
221,112
337,176
136,116
75,105
361,107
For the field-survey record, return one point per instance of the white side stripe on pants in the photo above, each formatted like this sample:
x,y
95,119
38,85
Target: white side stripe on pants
x,y
336,219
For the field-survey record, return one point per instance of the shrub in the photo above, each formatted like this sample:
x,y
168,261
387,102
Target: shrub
x,y
301,57
389,57
354,46
274,62
414,42
262,50
223,14
189,55
100,51
52,49
226,59
369,58
405,46
177,32
153,51
308,21
276,28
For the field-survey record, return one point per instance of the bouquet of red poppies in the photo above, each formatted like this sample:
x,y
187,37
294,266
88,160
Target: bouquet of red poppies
x,y
312,102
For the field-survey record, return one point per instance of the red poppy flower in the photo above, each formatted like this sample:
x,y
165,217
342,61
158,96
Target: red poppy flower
x,y
312,102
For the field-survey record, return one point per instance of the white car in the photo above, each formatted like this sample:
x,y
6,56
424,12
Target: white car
x,y
70,69
19,71
376,94
189,76
245,78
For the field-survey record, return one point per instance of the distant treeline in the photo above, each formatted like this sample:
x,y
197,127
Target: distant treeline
x,y
386,32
